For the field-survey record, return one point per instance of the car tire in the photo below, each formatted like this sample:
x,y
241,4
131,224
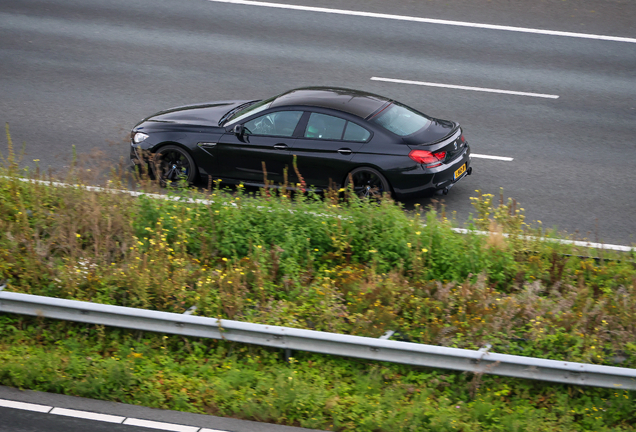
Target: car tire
x,y
172,163
368,182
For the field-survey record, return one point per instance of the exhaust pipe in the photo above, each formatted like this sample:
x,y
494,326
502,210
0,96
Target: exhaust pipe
x,y
470,170
444,191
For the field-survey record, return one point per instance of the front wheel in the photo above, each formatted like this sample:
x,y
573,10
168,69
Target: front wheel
x,y
172,163
367,182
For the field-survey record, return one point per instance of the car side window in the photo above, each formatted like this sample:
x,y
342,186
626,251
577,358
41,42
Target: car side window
x,y
280,123
356,133
325,127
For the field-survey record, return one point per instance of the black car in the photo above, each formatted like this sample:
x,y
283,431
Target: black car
x,y
332,135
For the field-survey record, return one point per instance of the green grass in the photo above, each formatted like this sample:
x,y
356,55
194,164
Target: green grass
x,y
357,268
314,391
332,263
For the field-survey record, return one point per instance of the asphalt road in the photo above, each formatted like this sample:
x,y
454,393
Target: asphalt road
x,y
84,72
69,414
15,420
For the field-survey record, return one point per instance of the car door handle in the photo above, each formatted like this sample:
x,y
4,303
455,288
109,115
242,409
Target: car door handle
x,y
345,151
281,146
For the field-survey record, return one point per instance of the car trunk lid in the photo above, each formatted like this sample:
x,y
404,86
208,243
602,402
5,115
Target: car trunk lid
x,y
452,146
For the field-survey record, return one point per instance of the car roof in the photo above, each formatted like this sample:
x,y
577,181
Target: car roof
x,y
356,102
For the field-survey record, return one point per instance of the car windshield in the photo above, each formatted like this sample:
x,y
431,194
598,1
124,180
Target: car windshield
x,y
249,110
401,120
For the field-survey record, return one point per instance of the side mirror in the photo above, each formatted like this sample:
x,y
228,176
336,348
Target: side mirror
x,y
239,130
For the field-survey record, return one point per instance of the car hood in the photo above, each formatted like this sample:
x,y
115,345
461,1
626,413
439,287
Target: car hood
x,y
207,114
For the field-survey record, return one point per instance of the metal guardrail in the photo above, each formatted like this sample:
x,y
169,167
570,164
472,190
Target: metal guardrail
x,y
480,361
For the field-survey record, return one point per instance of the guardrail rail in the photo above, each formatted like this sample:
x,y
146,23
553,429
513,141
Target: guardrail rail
x,y
476,361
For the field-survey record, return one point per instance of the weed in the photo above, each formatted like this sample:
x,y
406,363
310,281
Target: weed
x,y
339,264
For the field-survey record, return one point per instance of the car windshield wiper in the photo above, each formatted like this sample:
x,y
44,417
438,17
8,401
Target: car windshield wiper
x,y
229,114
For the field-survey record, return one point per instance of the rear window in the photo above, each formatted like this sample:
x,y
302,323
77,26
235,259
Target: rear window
x,y
401,120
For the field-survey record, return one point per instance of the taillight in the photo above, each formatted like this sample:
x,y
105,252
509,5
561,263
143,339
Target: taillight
x,y
430,159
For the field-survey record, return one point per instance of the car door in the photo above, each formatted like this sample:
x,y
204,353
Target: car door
x,y
266,139
325,150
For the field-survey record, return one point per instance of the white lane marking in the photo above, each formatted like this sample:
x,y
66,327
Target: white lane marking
x,y
160,425
458,87
87,415
24,406
501,158
579,243
428,20
5,403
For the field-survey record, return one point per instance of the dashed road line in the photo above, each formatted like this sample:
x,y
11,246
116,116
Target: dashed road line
x,y
160,425
87,415
459,87
428,20
501,158
25,406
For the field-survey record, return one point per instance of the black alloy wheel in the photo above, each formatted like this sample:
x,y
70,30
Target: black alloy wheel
x,y
172,164
367,182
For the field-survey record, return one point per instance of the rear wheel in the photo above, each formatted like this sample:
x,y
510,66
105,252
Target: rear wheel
x,y
172,164
368,182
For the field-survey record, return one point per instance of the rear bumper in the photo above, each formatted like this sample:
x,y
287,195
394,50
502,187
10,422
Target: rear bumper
x,y
438,180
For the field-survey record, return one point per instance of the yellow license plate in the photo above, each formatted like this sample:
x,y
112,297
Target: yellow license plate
x,y
460,171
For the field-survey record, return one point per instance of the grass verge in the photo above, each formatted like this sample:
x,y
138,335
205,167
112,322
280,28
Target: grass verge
x,y
314,391
324,263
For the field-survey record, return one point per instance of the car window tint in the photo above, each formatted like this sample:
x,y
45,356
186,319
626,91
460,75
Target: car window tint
x,y
324,126
281,123
248,111
401,120
356,133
